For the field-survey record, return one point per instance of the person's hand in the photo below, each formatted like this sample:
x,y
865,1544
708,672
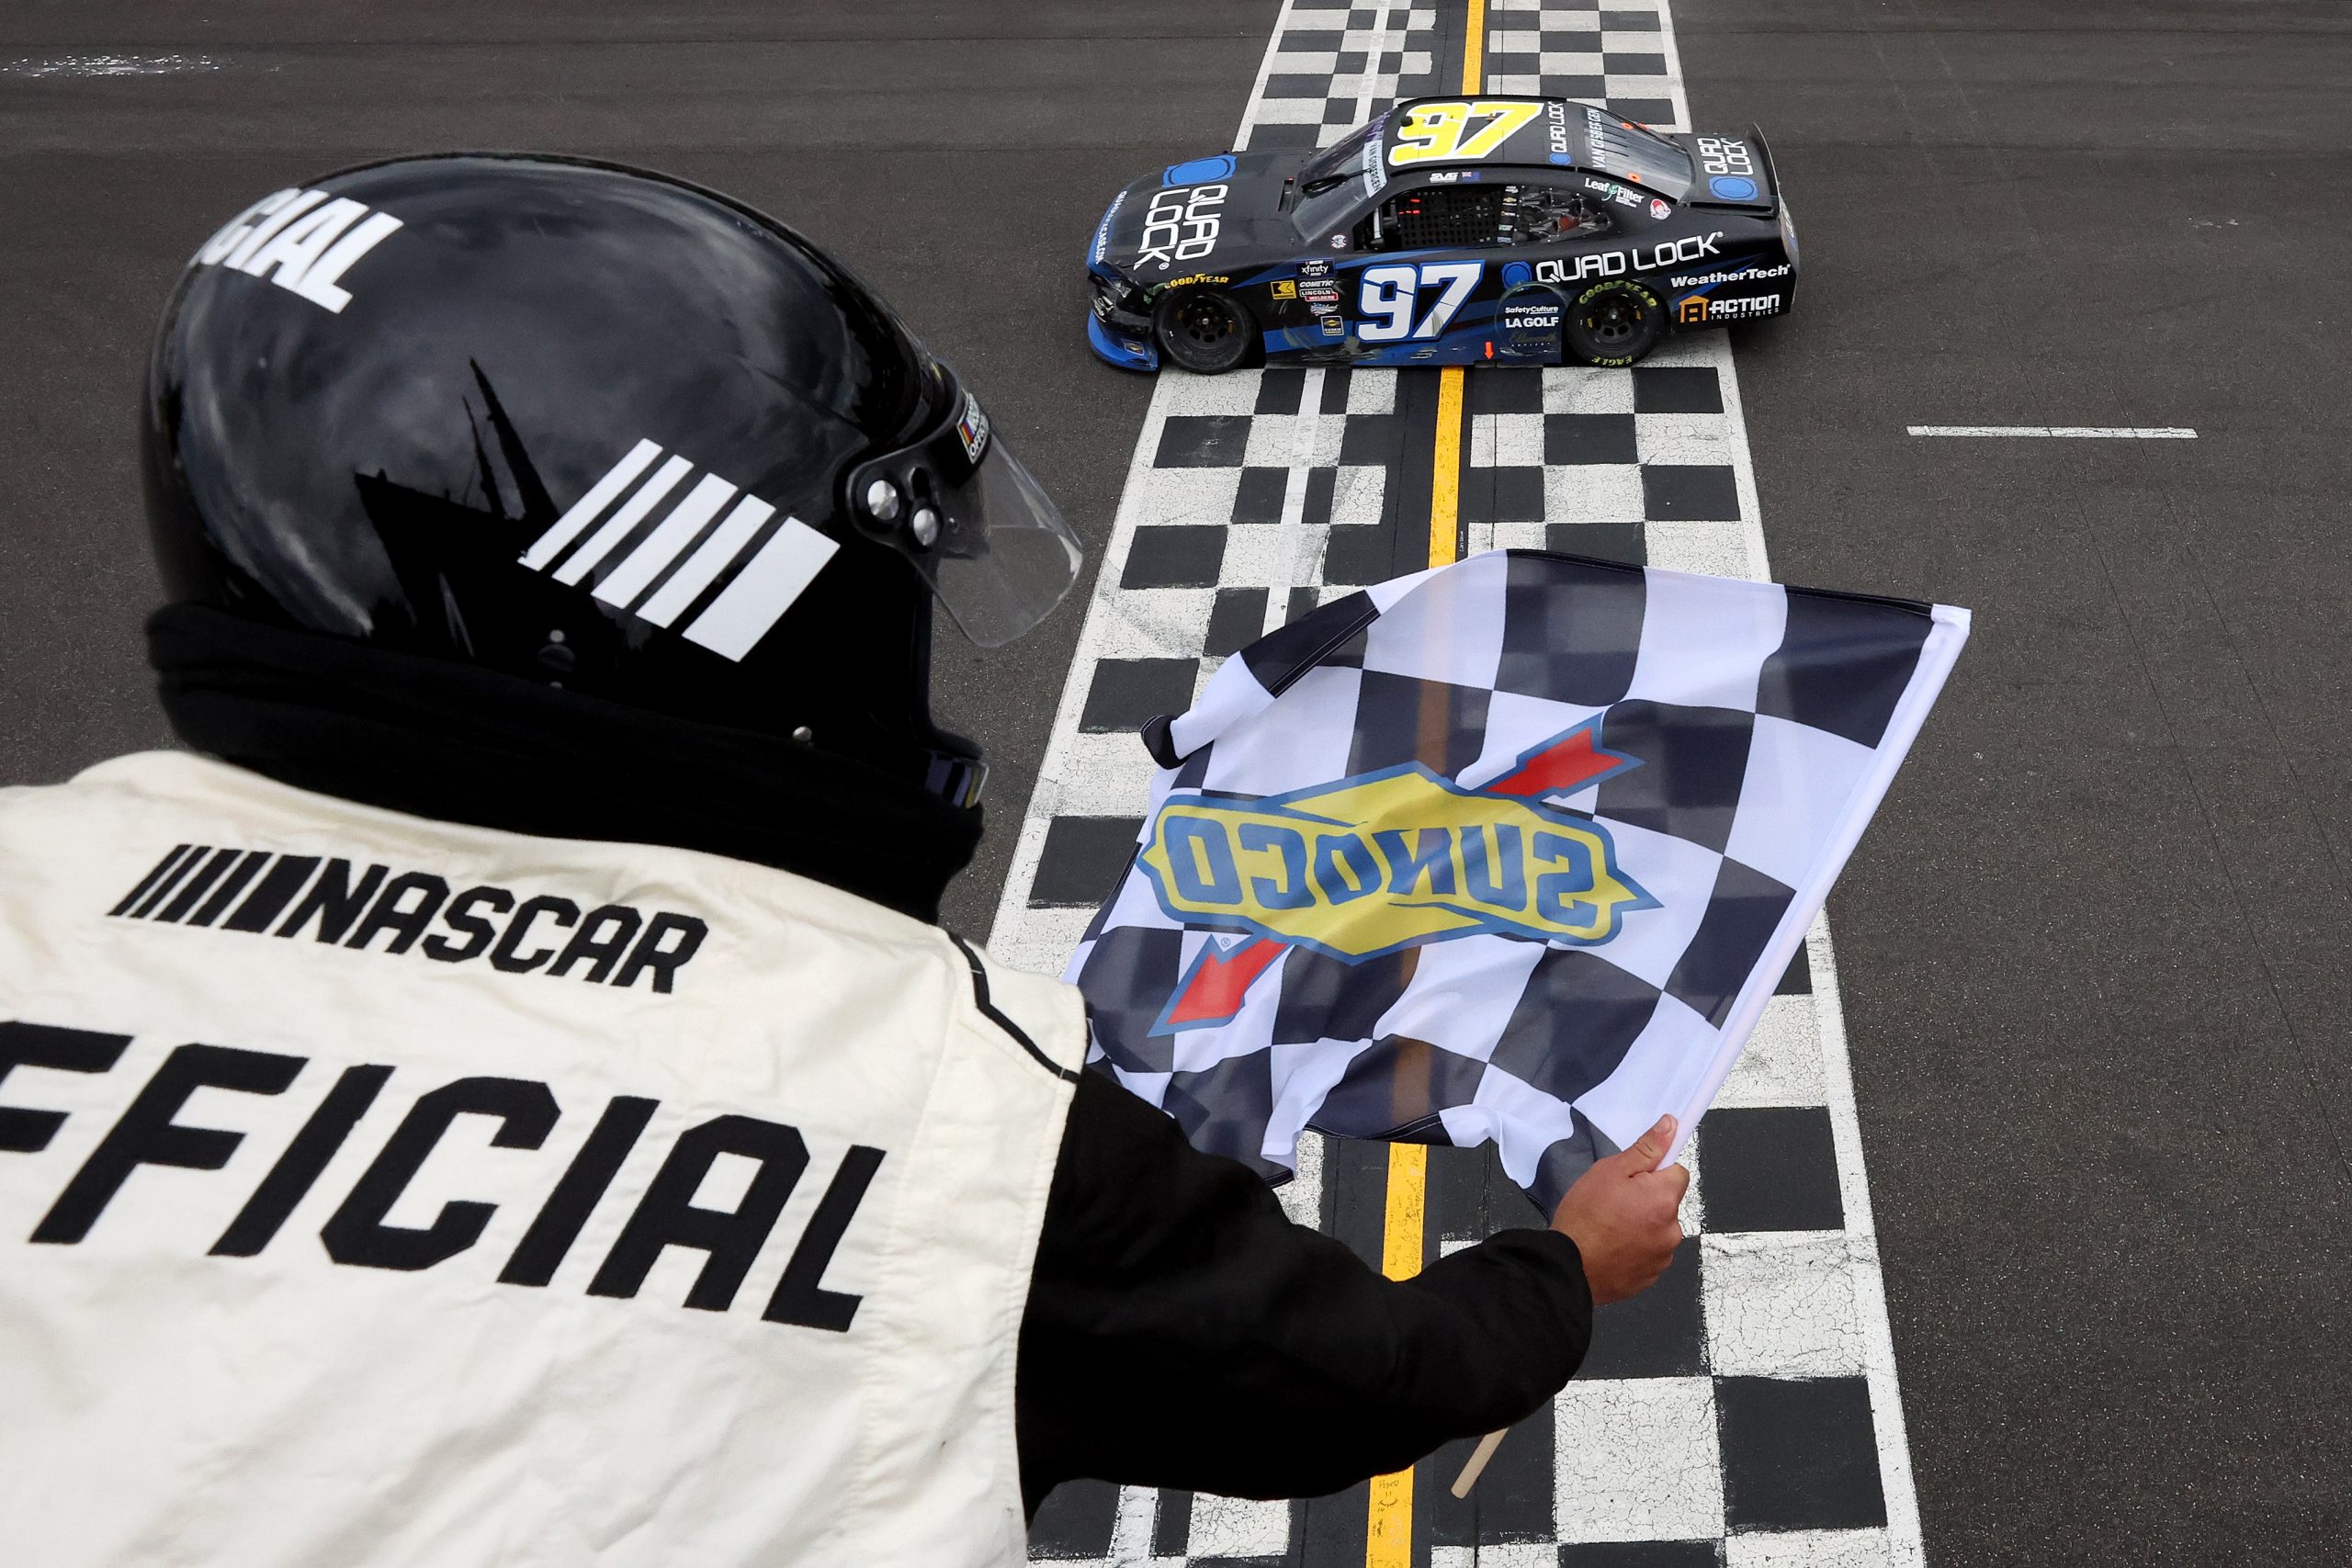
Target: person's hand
x,y
1621,1214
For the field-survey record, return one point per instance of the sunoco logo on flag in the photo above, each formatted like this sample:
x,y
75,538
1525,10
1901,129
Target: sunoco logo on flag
x,y
1370,865
1509,851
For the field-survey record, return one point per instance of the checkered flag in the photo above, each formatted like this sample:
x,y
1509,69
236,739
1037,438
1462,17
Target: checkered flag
x,y
1513,850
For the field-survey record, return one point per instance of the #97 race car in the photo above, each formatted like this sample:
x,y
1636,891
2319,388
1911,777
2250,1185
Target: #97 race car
x,y
1499,230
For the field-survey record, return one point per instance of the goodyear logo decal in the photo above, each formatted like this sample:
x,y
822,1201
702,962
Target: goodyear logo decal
x,y
1368,866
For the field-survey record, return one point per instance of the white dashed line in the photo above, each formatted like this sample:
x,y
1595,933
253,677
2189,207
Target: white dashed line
x,y
2064,432
111,65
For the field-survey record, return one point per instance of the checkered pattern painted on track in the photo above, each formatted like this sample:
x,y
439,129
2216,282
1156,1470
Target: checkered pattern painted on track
x,y
1745,1410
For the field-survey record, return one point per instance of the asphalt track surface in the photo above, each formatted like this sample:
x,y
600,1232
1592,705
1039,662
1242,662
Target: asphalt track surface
x,y
2093,950
2091,953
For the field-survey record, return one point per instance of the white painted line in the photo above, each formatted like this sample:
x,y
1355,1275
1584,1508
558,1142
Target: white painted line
x,y
111,65
1292,565
2064,432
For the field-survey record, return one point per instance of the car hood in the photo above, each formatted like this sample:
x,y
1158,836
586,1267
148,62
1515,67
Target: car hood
x,y
1205,216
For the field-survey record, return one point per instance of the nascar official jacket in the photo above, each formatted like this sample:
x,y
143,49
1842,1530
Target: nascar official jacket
x,y
375,1189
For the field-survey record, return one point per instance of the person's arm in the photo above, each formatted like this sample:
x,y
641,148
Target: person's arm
x,y
1183,1332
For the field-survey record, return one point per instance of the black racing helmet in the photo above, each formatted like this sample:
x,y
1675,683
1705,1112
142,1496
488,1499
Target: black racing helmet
x,y
588,426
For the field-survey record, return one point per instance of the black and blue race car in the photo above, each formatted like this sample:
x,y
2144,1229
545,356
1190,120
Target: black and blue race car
x,y
1504,231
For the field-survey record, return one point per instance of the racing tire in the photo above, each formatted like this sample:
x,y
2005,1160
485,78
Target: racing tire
x,y
1203,330
1616,321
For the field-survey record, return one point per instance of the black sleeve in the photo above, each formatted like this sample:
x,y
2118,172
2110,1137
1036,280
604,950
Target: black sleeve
x,y
1182,1332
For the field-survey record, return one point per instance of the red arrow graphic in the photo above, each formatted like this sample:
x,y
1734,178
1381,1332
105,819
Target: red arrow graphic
x,y
1568,764
1212,992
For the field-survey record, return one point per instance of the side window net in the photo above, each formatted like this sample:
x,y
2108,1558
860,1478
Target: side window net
x,y
1443,218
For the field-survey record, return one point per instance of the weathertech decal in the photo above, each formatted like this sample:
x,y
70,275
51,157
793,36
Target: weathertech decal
x,y
301,240
725,578
249,890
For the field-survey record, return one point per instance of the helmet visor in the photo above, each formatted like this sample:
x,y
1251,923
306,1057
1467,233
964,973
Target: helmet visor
x,y
974,521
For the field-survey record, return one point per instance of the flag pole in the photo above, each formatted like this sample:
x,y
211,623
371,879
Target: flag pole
x,y
1476,1463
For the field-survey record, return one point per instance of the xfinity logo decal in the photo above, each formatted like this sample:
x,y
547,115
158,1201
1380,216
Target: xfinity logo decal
x,y
1616,264
1181,225
301,240
729,580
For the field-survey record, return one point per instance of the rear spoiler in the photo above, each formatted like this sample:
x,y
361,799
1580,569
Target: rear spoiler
x,y
1725,190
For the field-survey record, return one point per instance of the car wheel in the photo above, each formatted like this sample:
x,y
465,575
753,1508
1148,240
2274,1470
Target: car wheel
x,y
1203,330
1615,322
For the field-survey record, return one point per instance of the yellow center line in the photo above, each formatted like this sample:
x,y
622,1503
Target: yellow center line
x,y
1445,487
1388,1522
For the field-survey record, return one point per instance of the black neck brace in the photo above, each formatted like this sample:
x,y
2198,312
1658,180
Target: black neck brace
x,y
459,744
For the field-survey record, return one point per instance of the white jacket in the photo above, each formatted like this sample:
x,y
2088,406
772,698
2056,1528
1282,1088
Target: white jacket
x,y
380,1192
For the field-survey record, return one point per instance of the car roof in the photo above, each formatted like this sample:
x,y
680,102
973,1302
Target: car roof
x,y
1549,133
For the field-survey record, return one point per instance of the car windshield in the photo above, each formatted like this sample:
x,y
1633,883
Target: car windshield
x,y
1337,162
1620,147
1330,209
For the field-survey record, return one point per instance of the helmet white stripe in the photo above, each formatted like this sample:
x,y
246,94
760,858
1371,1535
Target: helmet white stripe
x,y
702,568
624,522
589,507
629,579
762,591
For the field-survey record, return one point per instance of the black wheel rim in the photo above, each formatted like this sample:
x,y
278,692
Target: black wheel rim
x,y
1204,322
1616,320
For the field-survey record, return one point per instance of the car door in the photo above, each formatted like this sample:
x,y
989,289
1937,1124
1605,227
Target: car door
x,y
1418,283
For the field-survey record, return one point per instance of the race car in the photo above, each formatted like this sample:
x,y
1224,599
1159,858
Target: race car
x,y
1497,231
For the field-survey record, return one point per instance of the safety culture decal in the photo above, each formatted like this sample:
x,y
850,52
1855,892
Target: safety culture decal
x,y
1380,862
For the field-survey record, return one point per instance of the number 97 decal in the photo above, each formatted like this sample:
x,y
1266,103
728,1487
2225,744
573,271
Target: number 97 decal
x,y
1391,294
1433,132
